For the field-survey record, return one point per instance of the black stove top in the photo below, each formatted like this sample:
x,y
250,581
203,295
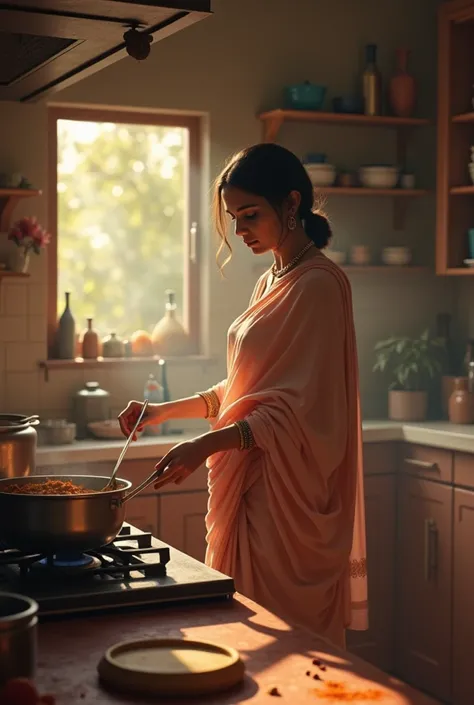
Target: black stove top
x,y
135,570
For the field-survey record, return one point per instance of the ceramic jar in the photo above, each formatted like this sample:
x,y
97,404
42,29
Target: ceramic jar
x,y
461,407
90,342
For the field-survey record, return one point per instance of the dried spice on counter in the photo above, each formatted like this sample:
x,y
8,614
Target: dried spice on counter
x,y
339,692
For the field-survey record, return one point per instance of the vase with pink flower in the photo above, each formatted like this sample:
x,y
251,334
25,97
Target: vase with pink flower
x,y
29,237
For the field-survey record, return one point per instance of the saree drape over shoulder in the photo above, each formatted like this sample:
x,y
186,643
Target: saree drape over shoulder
x,y
286,519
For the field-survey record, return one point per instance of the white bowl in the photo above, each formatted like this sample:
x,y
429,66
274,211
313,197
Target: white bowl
x,y
396,256
336,256
378,176
321,174
107,429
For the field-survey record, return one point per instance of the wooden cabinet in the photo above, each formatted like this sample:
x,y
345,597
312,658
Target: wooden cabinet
x,y
182,522
455,189
463,594
142,512
424,585
376,644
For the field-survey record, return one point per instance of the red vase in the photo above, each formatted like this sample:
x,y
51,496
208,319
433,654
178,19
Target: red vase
x,y
402,87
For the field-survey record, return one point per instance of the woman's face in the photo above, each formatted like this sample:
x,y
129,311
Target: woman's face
x,y
256,222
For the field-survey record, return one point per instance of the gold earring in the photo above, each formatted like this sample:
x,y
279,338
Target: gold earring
x,y
291,222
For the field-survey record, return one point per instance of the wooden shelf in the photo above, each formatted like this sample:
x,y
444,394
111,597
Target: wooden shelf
x,y
103,363
460,271
9,198
463,117
462,191
6,275
274,119
364,191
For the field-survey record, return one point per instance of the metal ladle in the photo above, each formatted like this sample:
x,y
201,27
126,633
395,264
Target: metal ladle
x,y
111,482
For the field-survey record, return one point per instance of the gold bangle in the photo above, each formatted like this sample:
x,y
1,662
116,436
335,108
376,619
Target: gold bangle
x,y
212,403
247,440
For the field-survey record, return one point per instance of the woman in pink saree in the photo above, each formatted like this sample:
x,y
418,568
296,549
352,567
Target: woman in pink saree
x,y
286,513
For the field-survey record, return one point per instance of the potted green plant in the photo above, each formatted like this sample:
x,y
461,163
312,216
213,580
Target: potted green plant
x,y
412,364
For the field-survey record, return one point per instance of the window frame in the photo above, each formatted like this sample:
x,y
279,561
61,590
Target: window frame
x,y
192,293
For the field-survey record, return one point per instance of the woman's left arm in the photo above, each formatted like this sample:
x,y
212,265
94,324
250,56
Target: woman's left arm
x,y
187,457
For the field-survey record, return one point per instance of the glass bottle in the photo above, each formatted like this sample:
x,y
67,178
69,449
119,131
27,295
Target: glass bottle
x,y
372,82
66,333
166,390
154,393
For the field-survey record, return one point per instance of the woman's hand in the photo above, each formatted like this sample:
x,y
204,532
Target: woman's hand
x,y
155,414
183,460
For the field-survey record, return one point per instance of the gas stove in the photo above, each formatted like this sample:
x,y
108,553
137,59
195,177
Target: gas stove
x,y
134,570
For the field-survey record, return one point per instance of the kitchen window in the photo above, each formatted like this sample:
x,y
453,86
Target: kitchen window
x,y
123,212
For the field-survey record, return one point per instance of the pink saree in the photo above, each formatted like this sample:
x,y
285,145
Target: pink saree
x,y
286,519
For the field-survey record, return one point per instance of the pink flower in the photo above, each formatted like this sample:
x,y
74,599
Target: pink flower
x,y
29,234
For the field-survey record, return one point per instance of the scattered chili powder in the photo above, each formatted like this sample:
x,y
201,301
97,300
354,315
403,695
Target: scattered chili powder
x,y
317,678
49,487
275,692
341,693
316,662
308,673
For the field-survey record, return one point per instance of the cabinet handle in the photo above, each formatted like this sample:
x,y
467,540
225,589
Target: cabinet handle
x,y
431,549
193,242
421,464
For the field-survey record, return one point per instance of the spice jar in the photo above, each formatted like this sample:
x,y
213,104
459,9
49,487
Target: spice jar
x,y
461,408
91,404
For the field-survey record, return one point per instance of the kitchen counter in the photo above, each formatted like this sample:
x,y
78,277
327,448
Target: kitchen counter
x,y
434,433
275,655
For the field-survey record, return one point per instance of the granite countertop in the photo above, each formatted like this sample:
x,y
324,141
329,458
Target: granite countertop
x,y
433,433
275,655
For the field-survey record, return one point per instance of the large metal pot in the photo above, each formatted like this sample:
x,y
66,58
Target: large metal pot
x,y
18,442
57,523
18,624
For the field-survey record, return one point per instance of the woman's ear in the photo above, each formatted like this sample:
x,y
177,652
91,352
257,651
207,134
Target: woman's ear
x,y
294,200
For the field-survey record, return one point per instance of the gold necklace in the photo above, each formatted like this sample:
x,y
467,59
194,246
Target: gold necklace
x,y
280,272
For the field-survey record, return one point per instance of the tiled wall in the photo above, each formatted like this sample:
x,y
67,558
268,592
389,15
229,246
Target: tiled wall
x,y
211,74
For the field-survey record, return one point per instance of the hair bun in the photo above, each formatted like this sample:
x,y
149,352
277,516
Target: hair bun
x,y
317,228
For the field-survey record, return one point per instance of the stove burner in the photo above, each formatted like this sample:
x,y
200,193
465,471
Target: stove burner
x,y
131,556
67,564
68,560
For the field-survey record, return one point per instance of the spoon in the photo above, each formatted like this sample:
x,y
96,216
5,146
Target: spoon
x,y
111,482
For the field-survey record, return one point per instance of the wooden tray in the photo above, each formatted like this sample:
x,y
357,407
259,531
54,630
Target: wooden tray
x,y
170,667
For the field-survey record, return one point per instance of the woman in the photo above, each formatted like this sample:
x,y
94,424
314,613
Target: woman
x,y
285,515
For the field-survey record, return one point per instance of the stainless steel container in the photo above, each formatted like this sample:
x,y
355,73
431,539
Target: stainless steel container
x,y
17,446
18,636
90,404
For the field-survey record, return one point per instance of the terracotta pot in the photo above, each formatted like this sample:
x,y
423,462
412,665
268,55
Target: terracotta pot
x,y
402,90
461,407
407,406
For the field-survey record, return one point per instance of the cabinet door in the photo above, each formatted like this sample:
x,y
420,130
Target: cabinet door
x,y
463,593
376,644
182,522
142,512
424,585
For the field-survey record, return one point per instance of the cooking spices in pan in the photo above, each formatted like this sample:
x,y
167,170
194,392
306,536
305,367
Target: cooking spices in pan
x,y
339,692
50,487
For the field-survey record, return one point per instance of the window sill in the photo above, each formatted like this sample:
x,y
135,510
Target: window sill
x,y
110,363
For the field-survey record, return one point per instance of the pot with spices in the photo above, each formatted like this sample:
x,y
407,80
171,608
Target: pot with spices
x,y
18,441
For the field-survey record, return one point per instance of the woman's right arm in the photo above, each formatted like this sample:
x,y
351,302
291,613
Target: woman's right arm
x,y
199,406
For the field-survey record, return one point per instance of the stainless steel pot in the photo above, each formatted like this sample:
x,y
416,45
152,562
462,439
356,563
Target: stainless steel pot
x,y
18,624
18,442
57,523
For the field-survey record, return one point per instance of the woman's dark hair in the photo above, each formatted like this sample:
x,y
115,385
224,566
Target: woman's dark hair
x,y
271,172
